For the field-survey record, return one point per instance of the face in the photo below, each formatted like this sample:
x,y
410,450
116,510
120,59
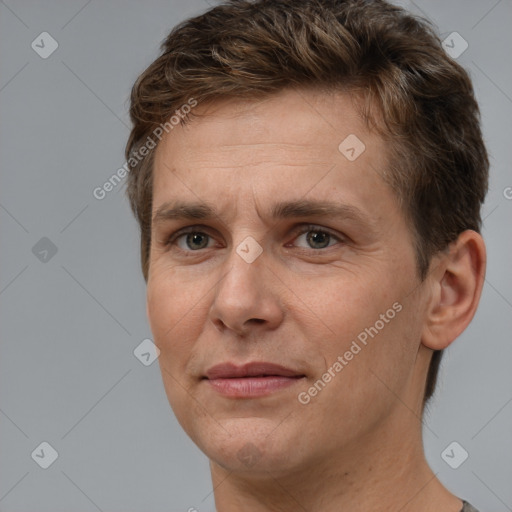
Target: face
x,y
282,291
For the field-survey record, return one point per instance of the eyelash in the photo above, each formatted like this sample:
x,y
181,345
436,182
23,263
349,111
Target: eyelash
x,y
317,229
301,230
185,231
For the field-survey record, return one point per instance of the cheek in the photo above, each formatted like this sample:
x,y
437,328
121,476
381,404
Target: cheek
x,y
386,362
371,327
344,306
176,312
373,375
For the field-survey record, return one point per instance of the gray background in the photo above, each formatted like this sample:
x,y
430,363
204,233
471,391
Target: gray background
x,y
69,324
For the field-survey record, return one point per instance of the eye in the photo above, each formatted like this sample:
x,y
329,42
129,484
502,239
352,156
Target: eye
x,y
191,240
314,237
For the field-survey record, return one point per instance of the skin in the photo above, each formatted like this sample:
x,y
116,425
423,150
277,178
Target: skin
x,y
357,444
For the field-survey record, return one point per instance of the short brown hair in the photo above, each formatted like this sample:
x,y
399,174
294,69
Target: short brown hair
x,y
417,97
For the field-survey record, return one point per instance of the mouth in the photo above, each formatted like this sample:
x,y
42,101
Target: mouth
x,y
250,380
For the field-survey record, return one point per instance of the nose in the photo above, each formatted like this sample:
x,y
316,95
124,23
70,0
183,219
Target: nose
x,y
246,298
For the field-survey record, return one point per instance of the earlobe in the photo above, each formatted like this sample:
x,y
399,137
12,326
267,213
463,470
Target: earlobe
x,y
457,286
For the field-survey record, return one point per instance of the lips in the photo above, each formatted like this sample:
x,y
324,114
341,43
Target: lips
x,y
250,380
231,371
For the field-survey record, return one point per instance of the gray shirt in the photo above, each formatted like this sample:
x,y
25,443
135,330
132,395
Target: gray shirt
x,y
466,507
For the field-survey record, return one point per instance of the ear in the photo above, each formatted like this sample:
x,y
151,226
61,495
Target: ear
x,y
457,282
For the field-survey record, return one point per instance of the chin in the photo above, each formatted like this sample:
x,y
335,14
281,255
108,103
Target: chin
x,y
248,445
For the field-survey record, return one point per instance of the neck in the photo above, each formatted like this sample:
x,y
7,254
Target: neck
x,y
385,471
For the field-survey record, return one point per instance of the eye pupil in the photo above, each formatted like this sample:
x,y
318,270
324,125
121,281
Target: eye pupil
x,y
318,239
197,240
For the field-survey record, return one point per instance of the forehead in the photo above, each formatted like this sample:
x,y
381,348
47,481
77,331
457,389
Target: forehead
x,y
302,121
289,144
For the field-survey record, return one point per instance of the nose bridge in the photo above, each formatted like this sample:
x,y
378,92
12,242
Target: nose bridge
x,y
245,293
243,282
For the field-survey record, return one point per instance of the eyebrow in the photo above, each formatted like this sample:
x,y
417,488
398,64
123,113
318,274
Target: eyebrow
x,y
283,210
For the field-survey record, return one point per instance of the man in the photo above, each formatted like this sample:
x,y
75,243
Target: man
x,y
308,177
